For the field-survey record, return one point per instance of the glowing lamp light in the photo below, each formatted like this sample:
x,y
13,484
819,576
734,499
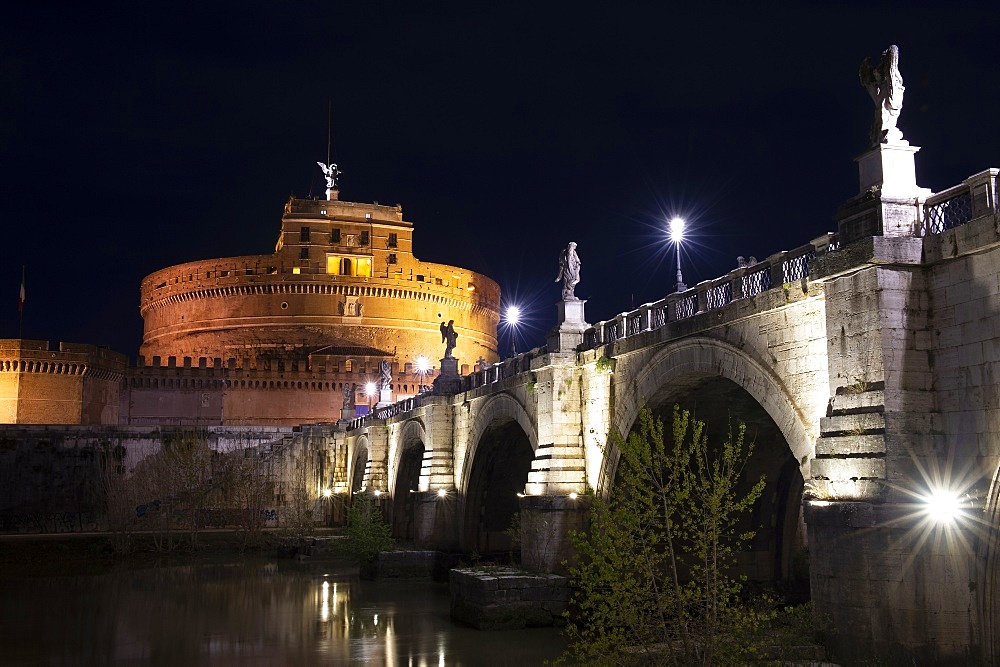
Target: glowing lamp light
x,y
442,493
513,315
423,364
677,230
676,236
377,493
327,493
572,496
943,506
370,388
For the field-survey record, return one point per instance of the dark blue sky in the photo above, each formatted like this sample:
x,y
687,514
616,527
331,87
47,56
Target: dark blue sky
x,y
154,134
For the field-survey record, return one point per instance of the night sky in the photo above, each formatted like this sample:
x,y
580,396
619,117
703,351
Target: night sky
x,y
155,134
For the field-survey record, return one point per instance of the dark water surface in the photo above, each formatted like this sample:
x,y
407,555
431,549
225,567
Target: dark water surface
x,y
259,613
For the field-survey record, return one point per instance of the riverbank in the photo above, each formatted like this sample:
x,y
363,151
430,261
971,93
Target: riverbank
x,y
41,555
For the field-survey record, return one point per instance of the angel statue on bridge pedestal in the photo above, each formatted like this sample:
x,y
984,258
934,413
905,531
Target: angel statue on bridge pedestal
x,y
449,337
385,375
569,271
885,85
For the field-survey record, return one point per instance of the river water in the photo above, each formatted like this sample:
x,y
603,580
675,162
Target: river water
x,y
252,613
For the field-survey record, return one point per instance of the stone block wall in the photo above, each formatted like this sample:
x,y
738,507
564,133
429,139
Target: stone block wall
x,y
505,598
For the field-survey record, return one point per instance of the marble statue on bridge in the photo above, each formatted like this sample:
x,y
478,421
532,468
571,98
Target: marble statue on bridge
x,y
569,271
449,337
885,85
385,375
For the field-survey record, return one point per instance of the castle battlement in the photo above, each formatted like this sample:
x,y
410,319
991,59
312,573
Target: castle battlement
x,y
343,275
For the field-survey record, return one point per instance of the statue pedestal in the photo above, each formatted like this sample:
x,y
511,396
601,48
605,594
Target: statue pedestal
x,y
347,414
384,398
568,333
890,168
448,380
889,200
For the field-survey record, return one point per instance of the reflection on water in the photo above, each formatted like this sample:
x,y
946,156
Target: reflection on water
x,y
246,614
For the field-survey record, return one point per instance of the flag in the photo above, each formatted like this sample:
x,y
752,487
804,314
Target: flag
x,y
20,298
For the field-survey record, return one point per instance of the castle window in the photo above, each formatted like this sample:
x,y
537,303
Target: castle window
x,y
345,266
249,272
420,278
364,267
223,273
334,236
304,234
303,253
364,239
393,241
392,258
296,270
348,365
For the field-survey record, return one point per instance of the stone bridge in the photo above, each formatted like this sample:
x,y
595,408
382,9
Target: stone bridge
x,y
865,365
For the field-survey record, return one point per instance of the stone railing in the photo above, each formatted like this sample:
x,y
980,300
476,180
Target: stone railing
x,y
385,412
972,198
777,270
485,377
501,370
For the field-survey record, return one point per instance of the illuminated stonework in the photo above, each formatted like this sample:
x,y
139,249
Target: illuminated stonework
x,y
342,283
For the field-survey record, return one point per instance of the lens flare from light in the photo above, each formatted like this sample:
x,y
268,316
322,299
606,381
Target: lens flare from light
x,y
677,230
513,315
423,365
943,506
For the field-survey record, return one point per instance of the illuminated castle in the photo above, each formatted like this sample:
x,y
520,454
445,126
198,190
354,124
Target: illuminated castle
x,y
275,339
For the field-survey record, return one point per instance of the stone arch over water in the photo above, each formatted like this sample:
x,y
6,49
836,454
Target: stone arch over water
x,y
407,466
722,386
495,471
360,464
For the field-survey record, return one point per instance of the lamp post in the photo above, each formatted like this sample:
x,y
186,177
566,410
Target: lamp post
x,y
370,389
513,316
423,365
676,236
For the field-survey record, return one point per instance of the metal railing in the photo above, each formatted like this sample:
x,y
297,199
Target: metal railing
x,y
781,268
974,197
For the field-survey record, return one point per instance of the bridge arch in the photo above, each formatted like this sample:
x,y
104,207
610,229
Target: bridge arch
x,y
360,464
989,563
719,380
693,360
503,440
405,474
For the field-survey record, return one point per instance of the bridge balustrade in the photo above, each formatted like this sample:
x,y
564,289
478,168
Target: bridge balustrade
x,y
781,268
972,198
756,282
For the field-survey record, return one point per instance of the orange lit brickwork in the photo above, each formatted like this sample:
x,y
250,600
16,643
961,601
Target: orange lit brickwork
x,y
342,279
76,384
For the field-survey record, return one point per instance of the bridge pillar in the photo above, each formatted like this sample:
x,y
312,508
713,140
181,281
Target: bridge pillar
x,y
435,518
890,581
546,522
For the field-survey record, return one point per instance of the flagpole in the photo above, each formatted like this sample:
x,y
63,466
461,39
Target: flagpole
x,y
20,308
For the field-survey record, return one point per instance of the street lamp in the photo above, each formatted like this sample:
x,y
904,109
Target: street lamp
x,y
676,236
513,316
423,365
370,389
